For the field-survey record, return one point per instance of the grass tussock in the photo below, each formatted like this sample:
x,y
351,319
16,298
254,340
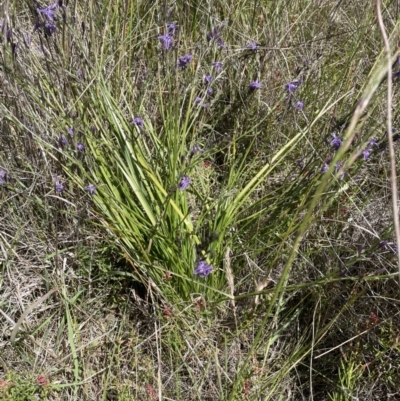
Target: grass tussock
x,y
196,203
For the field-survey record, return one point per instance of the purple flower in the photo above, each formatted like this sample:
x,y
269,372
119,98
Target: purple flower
x,y
203,269
336,142
3,177
254,86
252,46
49,28
210,91
80,147
171,28
198,101
166,41
366,153
184,61
293,86
208,78
91,189
196,149
325,167
184,183
390,245
70,131
215,34
337,168
217,65
58,187
63,141
299,105
138,121
48,12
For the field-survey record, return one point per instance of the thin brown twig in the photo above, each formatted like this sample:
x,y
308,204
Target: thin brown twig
x,y
389,130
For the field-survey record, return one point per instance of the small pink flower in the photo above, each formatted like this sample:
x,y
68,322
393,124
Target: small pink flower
x,y
41,380
151,392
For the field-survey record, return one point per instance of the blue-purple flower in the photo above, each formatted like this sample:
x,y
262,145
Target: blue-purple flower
x,y
80,147
199,100
252,46
293,86
215,34
326,164
184,61
91,189
336,142
208,78
253,86
217,65
58,187
138,121
366,153
196,149
171,28
3,177
388,245
184,183
324,168
71,131
63,141
210,91
49,28
49,11
337,168
203,269
299,105
166,41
